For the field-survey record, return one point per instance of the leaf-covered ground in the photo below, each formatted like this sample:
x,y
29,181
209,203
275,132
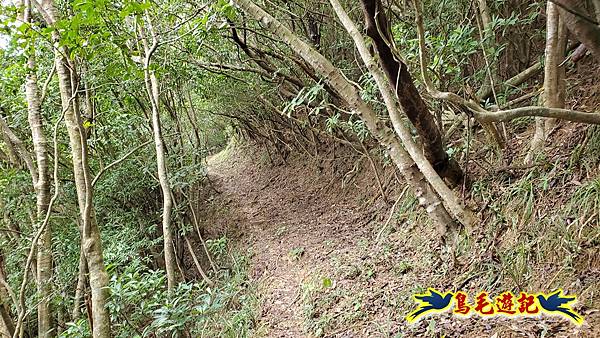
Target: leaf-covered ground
x,y
326,264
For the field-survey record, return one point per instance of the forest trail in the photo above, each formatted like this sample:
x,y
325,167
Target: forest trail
x,y
290,222
306,222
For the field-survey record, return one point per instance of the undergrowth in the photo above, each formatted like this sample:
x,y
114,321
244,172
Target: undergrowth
x,y
141,306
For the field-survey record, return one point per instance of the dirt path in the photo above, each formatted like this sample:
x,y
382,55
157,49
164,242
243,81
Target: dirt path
x,y
303,224
289,222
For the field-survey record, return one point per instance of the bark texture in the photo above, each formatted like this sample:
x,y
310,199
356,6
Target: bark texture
x,y
79,291
579,23
44,246
42,189
409,98
90,233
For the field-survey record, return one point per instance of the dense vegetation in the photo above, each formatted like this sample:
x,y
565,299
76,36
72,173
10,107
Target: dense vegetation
x,y
110,109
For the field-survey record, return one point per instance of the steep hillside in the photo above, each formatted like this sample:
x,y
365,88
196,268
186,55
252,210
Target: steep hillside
x,y
329,258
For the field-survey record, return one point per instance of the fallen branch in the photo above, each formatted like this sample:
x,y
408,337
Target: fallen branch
x,y
514,81
523,76
518,167
196,262
523,98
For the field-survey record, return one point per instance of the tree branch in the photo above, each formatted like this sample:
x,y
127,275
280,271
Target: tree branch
x,y
557,113
22,151
482,115
119,161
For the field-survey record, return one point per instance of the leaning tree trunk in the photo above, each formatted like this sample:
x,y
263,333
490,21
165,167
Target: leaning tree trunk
x,y
580,24
428,199
152,87
44,246
42,189
554,77
432,177
408,96
90,232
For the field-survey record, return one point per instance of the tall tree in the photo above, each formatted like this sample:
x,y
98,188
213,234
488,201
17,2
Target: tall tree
x,y
42,189
90,232
152,88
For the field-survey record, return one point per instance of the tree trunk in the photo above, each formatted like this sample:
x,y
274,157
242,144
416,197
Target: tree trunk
x,y
152,87
80,290
90,237
427,198
484,12
554,77
42,189
449,198
44,246
407,94
488,44
578,23
163,177
90,233
7,326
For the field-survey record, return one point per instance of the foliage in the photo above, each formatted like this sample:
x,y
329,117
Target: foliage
x,y
222,77
140,305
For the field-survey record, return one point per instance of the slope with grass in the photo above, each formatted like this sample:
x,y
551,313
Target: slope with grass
x,y
328,261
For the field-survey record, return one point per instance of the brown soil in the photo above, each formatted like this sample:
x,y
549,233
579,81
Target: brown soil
x,y
306,223
291,217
